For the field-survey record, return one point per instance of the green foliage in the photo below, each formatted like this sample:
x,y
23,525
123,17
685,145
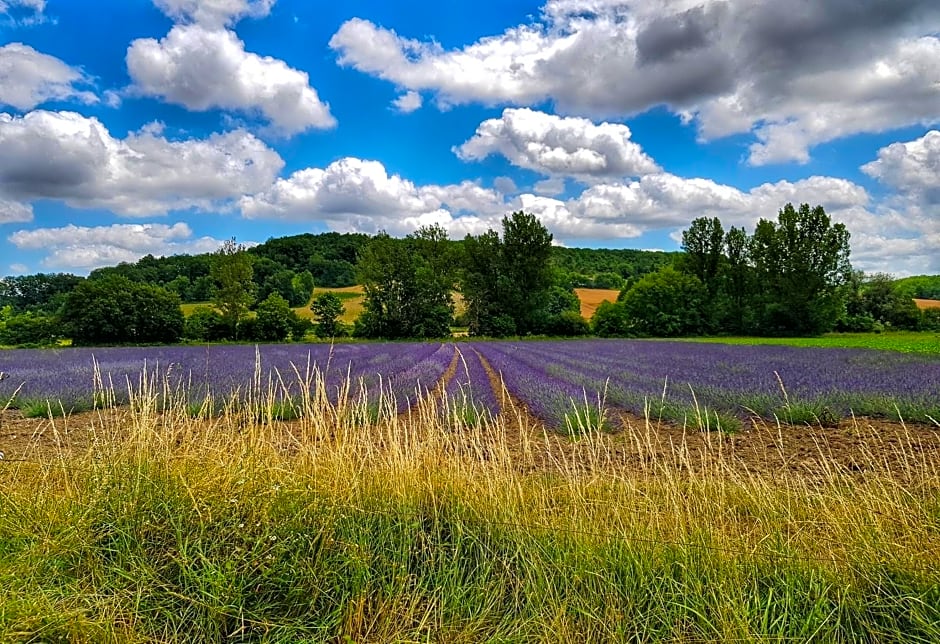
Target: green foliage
x,y
703,244
566,324
205,324
925,287
115,310
800,264
666,303
407,286
43,292
327,309
611,320
507,283
232,272
274,319
28,329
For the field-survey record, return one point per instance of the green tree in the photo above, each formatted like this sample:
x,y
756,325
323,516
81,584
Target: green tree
x,y
407,292
205,324
800,264
527,271
666,303
327,310
115,310
507,282
232,272
703,244
611,320
274,319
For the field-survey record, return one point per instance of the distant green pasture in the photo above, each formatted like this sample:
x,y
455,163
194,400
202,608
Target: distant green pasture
x,y
904,341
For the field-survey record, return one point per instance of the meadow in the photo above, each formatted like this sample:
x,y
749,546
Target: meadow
x,y
903,341
453,515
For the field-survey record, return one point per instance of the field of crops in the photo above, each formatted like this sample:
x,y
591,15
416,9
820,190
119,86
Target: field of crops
x,y
416,492
563,384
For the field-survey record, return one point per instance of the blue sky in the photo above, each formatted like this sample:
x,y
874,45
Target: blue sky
x,y
130,127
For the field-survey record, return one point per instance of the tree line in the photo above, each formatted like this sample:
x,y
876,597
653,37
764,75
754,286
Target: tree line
x,y
791,276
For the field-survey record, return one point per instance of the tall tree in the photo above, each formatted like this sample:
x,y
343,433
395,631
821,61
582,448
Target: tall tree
x,y
800,264
232,271
703,244
408,290
526,255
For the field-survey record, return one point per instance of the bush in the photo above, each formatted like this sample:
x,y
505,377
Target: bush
x,y
29,329
611,321
115,310
205,324
667,304
568,324
274,319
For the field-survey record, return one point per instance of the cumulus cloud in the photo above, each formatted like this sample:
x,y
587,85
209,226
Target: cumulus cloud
x,y
214,13
359,195
912,168
86,248
793,74
553,145
29,78
66,156
203,68
408,102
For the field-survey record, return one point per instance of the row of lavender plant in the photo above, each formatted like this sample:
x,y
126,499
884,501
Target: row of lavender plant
x,y
469,394
70,377
739,379
560,403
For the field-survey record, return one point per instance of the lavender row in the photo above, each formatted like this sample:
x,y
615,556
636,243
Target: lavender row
x,y
69,375
729,378
470,386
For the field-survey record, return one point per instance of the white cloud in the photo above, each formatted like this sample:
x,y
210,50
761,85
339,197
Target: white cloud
x,y
505,185
202,69
214,13
86,248
15,212
408,102
552,145
912,168
19,269
66,156
357,195
795,76
28,78
551,187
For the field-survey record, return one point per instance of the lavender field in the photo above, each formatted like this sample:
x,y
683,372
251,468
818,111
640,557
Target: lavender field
x,y
554,380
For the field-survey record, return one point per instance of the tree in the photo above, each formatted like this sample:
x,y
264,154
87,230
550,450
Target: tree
x,y
611,320
703,244
666,303
274,319
327,310
115,310
205,324
231,269
507,282
527,270
407,289
800,264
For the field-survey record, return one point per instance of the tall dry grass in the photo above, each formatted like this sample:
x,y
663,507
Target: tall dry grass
x,y
356,523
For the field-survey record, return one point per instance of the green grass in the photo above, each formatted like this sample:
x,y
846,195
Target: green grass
x,y
904,341
344,527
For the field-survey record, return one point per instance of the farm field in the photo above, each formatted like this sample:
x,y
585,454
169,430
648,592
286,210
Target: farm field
x,y
446,492
927,304
903,341
563,384
591,298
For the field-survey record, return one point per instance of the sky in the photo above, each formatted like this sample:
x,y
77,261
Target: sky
x,y
134,127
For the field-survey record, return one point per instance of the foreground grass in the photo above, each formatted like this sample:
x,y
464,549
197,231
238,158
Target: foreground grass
x,y
422,528
905,341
